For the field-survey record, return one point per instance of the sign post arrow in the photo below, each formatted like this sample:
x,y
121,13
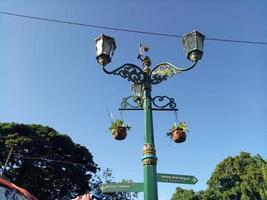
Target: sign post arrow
x,y
139,187
176,178
122,187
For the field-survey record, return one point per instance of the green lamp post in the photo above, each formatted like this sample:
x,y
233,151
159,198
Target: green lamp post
x,y
142,80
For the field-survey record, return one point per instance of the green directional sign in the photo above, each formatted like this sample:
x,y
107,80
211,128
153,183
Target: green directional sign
x,y
175,178
122,187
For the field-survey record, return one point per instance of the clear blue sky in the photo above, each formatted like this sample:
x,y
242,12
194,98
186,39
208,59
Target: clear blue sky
x,y
49,76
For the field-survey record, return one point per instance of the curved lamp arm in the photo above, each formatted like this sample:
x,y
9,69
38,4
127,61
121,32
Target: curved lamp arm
x,y
128,71
164,70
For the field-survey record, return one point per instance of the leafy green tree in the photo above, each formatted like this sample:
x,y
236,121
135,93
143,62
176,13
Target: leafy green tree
x,y
263,191
43,161
243,177
181,194
238,178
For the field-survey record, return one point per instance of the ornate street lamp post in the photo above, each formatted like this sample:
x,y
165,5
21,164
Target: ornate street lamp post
x,y
142,80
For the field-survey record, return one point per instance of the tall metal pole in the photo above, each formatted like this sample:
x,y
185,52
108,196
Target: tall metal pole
x,y
149,152
105,47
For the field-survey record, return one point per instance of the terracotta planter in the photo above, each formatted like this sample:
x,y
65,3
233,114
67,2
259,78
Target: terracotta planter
x,y
120,133
178,136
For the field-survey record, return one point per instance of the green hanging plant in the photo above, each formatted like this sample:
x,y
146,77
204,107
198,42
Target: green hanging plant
x,y
119,129
115,124
181,126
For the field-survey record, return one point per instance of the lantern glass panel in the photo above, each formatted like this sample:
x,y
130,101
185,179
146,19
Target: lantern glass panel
x,y
99,47
190,41
200,42
137,90
105,45
111,47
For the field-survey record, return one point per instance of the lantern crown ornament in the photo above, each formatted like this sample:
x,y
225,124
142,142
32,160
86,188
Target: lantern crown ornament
x,y
193,45
105,47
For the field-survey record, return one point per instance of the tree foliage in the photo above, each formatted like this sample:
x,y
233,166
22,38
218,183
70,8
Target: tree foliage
x,y
240,177
243,177
42,161
181,194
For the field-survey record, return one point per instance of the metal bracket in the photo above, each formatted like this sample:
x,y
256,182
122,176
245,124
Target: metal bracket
x,y
159,103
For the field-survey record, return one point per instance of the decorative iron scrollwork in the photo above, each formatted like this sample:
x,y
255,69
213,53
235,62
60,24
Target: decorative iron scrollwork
x,y
159,103
164,70
166,101
126,104
130,72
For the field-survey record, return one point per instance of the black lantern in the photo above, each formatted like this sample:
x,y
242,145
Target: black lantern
x,y
193,44
105,47
137,91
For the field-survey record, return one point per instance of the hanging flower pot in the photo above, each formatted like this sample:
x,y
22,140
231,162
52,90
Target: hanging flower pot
x,y
119,129
178,132
178,136
120,133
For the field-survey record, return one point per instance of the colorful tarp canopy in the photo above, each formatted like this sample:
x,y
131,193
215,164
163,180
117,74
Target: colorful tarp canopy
x,y
88,196
83,197
10,191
